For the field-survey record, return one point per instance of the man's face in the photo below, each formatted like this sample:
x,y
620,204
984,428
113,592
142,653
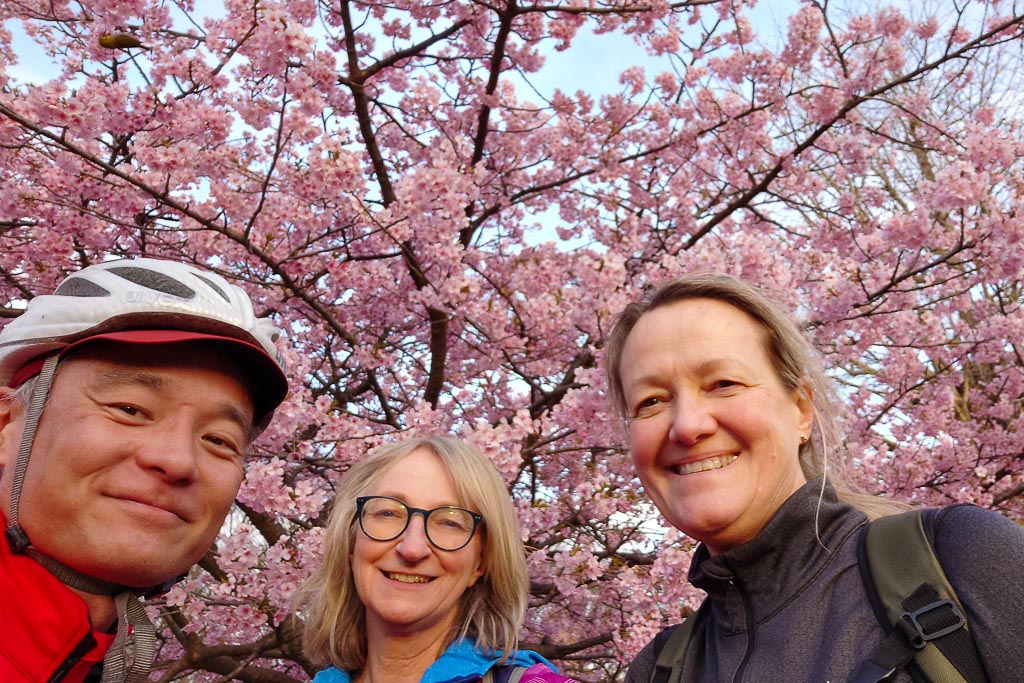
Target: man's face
x,y
136,461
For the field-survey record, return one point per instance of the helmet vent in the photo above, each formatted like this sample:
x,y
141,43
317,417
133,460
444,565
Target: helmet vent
x,y
79,286
153,280
215,287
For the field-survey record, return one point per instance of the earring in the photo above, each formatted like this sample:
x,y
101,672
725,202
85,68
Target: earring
x,y
804,439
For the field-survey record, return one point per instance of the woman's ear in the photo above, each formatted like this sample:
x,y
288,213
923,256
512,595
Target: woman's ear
x,y
480,569
477,573
803,396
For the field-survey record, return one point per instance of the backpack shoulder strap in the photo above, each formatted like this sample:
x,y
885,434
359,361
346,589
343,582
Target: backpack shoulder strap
x,y
669,666
915,603
510,673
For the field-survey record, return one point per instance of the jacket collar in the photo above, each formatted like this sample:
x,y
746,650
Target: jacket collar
x,y
767,572
462,662
41,619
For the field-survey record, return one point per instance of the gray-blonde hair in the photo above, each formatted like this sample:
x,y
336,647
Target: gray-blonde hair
x,y
23,393
491,610
793,358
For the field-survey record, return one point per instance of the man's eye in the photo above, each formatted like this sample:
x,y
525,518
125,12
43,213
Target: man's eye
x,y
222,442
128,410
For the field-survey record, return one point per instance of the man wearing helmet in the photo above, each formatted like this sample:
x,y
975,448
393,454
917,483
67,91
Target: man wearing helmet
x,y
133,392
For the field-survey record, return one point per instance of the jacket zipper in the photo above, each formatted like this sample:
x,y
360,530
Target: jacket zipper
x,y
87,643
749,614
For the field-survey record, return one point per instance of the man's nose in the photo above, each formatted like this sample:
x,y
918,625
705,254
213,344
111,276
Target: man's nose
x,y
172,450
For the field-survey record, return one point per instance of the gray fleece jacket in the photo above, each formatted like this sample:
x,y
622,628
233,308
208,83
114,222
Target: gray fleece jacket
x,y
783,608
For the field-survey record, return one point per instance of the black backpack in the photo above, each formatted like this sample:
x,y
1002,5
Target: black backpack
x,y
912,599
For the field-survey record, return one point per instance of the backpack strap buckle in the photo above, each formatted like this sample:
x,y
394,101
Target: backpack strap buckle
x,y
934,620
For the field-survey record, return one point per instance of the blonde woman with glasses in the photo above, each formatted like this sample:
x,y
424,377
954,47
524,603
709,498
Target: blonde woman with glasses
x,y
424,576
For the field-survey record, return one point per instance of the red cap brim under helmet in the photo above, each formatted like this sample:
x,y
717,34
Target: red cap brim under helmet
x,y
265,375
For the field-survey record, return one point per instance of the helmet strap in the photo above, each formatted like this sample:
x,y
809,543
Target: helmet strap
x,y
17,539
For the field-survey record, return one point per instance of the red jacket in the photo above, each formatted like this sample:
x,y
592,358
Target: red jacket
x,y
44,626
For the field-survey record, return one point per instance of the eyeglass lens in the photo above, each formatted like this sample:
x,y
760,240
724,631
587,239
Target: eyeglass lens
x,y
384,519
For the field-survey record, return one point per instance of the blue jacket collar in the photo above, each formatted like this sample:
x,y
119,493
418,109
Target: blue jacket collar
x,y
462,662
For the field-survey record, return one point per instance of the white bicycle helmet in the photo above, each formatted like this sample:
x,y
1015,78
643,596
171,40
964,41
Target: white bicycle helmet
x,y
146,301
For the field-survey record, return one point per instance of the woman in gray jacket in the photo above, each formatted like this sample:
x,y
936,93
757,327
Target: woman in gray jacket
x,y
732,433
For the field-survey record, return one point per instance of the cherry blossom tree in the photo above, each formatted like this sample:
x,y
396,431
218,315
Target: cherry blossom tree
x,y
445,240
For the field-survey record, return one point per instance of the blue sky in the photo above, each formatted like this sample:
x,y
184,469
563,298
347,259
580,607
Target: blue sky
x,y
593,62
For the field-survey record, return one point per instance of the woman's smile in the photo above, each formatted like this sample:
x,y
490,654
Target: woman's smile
x,y
715,462
408,578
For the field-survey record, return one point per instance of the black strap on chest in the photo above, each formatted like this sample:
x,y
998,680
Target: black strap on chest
x,y
915,604
669,666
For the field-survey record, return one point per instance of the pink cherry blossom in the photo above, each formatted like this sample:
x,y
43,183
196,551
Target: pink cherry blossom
x,y
444,211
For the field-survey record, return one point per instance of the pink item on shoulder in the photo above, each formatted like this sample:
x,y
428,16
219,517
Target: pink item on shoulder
x,y
540,673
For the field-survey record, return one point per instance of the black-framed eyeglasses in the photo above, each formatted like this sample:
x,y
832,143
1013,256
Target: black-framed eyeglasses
x,y
383,518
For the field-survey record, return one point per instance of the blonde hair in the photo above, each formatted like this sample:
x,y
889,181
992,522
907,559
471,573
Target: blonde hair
x,y
793,358
491,611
